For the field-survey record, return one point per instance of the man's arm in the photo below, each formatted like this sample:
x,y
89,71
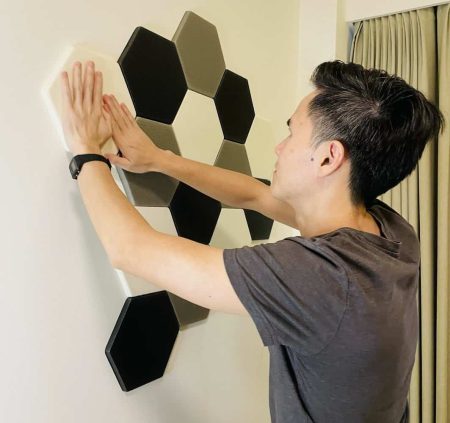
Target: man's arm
x,y
191,270
188,269
234,189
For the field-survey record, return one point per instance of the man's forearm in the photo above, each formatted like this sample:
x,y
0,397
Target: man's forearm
x,y
115,220
231,188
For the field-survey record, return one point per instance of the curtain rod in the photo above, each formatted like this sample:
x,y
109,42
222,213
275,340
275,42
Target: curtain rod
x,y
401,11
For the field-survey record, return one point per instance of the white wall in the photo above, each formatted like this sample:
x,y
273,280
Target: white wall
x,y
317,35
60,296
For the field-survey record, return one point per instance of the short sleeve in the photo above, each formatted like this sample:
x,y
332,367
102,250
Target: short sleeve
x,y
294,290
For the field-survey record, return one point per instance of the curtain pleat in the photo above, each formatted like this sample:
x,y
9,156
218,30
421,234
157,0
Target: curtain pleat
x,y
443,219
405,44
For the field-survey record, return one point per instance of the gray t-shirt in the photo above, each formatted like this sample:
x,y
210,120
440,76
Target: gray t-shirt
x,y
338,313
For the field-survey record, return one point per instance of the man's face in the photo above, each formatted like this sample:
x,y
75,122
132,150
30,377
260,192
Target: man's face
x,y
293,176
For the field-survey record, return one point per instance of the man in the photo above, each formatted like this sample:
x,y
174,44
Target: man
x,y
336,306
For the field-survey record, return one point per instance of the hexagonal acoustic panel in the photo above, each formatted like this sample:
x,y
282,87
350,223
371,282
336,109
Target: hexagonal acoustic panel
x,y
258,224
154,76
197,128
234,107
152,189
113,82
200,54
194,213
186,312
142,339
232,156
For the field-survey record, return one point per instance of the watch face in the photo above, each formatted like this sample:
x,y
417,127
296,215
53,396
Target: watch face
x,y
73,167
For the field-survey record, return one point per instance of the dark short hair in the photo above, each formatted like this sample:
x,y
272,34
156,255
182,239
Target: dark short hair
x,y
383,123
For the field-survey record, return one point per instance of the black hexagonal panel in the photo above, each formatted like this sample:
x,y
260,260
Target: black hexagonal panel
x,y
154,76
259,225
142,340
195,214
234,107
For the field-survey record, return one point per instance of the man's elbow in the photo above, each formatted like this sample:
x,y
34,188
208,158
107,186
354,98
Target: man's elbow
x,y
115,262
117,258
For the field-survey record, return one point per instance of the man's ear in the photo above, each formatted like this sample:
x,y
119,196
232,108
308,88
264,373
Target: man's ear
x,y
333,158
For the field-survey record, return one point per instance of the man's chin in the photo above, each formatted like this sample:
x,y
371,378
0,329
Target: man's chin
x,y
274,191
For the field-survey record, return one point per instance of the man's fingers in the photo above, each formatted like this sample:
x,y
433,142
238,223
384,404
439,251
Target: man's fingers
x,y
115,127
115,111
77,94
65,90
88,85
127,113
122,162
98,89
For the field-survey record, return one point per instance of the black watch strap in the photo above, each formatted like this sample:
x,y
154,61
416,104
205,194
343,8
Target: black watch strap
x,y
78,161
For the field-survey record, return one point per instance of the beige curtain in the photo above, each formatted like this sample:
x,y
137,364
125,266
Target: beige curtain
x,y
415,46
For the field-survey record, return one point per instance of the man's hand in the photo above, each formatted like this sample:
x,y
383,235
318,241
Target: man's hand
x,y
86,123
139,153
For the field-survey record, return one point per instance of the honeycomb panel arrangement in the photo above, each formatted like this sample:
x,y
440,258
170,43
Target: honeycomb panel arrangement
x,y
186,101
211,121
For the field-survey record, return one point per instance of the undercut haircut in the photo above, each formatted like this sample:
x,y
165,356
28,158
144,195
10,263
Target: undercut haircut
x,y
383,123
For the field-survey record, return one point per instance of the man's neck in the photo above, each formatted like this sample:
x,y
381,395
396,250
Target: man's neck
x,y
319,221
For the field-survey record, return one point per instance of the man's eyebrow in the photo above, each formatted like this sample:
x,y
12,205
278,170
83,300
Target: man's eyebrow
x,y
288,122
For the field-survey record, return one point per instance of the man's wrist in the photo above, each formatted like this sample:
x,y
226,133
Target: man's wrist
x,y
86,150
165,158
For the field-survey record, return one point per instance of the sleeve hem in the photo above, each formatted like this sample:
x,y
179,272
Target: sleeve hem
x,y
262,324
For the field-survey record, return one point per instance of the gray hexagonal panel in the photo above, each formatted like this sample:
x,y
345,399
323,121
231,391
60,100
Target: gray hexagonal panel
x,y
201,57
152,189
187,312
233,156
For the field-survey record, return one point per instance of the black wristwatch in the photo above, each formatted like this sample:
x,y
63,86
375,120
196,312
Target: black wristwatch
x,y
78,161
